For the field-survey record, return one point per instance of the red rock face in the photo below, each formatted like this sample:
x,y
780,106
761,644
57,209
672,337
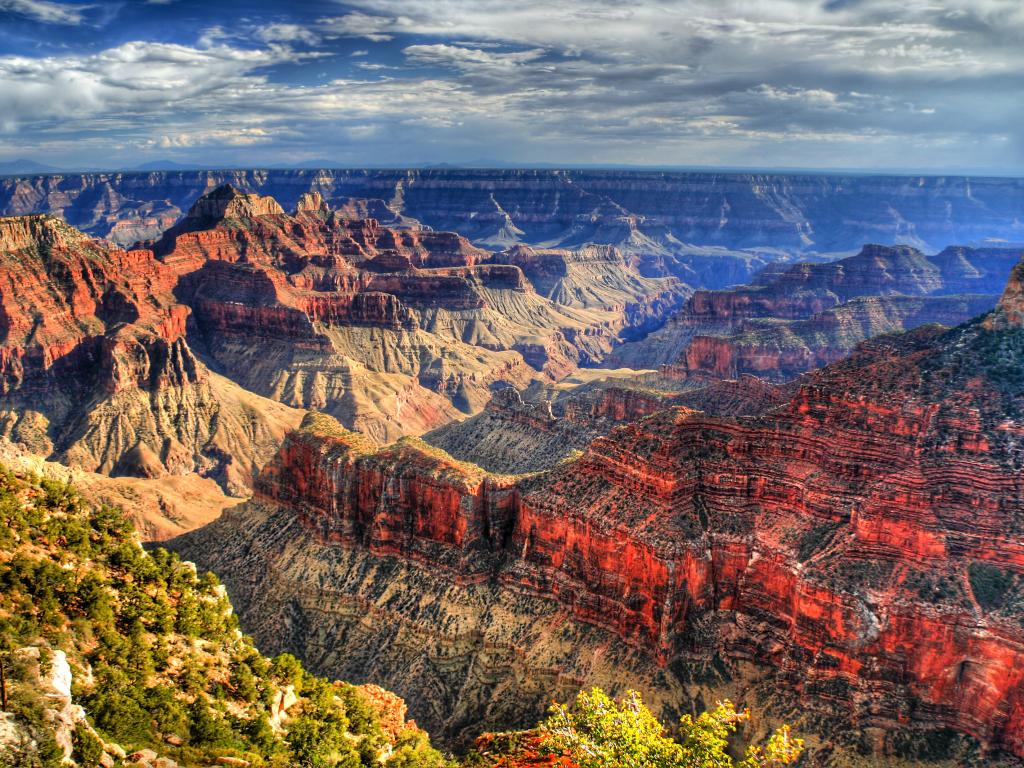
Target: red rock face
x,y
63,300
863,540
231,226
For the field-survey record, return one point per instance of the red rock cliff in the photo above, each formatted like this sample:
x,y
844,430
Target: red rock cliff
x,y
863,541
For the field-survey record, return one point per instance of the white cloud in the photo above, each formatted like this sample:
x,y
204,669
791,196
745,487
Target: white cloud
x,y
47,11
469,59
368,26
133,79
237,137
815,97
287,33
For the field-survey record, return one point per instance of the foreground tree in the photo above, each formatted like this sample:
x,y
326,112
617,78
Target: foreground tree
x,y
597,732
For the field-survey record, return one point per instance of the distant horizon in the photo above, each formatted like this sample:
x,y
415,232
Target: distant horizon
x,y
165,166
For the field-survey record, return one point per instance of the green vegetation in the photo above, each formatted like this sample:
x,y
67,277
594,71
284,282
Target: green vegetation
x,y
600,733
816,539
157,658
936,587
993,587
325,425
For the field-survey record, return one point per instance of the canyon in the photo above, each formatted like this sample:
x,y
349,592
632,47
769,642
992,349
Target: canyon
x,y
196,351
488,437
708,229
851,555
793,318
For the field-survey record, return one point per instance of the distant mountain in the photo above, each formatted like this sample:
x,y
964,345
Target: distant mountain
x,y
24,167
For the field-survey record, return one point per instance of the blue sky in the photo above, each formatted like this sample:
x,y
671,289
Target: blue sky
x,y
924,85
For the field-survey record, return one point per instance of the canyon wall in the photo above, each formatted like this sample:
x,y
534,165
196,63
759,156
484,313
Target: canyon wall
x,y
854,553
95,369
692,225
794,318
106,354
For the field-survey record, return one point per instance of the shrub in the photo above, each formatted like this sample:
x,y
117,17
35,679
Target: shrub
x,y
87,748
598,733
990,584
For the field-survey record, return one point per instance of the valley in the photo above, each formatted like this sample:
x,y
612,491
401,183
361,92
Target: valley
x,y
488,456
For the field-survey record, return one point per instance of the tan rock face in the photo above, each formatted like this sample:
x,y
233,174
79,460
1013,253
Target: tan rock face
x,y
1010,310
856,550
228,203
394,331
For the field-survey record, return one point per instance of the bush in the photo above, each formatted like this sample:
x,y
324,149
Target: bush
x,y
598,733
87,748
990,585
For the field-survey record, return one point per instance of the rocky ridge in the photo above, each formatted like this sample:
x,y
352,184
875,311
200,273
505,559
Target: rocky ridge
x,y
394,331
792,319
95,370
526,432
709,229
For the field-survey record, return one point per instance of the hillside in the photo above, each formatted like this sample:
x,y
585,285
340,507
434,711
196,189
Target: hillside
x,y
117,656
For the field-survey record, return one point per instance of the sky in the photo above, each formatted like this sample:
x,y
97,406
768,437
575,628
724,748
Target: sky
x,y
931,86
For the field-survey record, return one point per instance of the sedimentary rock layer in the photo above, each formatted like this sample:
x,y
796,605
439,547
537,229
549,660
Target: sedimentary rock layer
x,y
678,219
394,331
792,319
856,550
95,370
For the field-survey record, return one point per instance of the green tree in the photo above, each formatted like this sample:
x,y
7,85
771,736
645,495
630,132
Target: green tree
x,y
600,733
204,728
88,749
317,743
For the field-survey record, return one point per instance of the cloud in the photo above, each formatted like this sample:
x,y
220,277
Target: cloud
x,y
134,80
864,82
287,33
469,59
238,137
46,11
374,28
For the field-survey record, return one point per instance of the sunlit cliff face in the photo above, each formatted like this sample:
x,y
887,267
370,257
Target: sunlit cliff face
x,y
824,539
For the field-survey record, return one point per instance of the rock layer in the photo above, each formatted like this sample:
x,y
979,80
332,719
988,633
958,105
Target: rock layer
x,y
792,319
392,331
687,224
95,370
856,551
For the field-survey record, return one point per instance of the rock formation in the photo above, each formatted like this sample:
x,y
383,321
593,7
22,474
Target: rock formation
x,y
709,229
95,370
512,435
394,331
792,319
854,552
